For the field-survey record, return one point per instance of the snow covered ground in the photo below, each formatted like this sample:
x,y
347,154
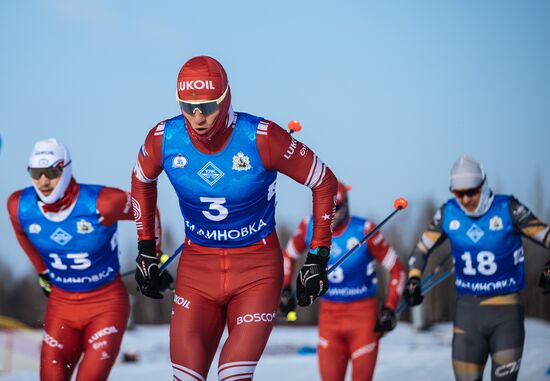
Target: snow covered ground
x,y
404,355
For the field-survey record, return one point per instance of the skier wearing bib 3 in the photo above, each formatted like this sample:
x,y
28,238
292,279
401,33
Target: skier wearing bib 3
x,y
485,232
223,167
349,322
69,232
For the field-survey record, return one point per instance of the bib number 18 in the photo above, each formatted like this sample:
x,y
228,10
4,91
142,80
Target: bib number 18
x,y
486,264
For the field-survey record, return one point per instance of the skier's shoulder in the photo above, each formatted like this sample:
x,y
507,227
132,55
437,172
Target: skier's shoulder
x,y
158,130
13,202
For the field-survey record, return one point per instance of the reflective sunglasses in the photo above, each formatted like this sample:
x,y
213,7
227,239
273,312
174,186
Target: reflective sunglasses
x,y
50,172
468,192
204,107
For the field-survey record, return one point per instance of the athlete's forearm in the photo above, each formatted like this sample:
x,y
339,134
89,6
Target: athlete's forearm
x,y
389,259
281,152
144,203
430,240
395,284
144,185
114,205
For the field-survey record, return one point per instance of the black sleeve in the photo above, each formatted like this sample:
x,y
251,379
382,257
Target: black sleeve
x,y
527,224
431,239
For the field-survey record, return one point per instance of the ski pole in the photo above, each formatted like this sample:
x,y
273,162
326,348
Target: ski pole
x,y
164,265
399,204
426,285
437,280
436,269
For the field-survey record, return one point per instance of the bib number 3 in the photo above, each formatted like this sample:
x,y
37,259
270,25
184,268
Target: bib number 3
x,y
216,204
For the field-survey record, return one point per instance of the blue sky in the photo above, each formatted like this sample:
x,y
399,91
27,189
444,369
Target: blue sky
x,y
389,93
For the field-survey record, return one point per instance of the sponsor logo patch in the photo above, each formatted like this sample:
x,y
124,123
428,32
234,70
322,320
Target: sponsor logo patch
x,y
210,173
258,317
181,301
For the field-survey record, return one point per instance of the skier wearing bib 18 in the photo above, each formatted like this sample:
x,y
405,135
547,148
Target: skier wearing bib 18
x,y
485,232
69,232
223,167
350,324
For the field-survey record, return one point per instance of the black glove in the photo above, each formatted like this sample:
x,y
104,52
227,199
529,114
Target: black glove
x,y
288,301
312,280
166,280
147,269
44,282
544,280
412,295
386,321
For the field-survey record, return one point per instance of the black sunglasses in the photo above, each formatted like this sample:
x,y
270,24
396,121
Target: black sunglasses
x,y
468,192
50,172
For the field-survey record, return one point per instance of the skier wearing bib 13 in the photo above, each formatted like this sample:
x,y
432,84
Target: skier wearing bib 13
x,y
485,231
69,232
223,167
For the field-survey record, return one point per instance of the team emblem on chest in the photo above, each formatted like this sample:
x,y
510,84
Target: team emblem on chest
x,y
475,233
210,173
35,228
454,225
179,161
61,237
351,243
241,162
84,227
496,223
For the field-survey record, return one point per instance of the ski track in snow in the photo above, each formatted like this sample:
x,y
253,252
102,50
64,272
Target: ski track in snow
x,y
404,355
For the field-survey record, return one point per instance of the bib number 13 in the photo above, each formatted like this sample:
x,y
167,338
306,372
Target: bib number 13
x,y
485,263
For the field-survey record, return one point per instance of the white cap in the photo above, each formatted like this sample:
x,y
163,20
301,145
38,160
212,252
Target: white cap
x,y
49,153
466,173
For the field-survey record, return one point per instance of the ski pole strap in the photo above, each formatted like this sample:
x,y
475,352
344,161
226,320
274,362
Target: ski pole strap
x,y
363,240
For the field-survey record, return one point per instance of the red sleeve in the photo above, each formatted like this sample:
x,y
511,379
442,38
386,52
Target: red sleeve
x,y
26,245
281,152
387,257
114,205
295,247
144,183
